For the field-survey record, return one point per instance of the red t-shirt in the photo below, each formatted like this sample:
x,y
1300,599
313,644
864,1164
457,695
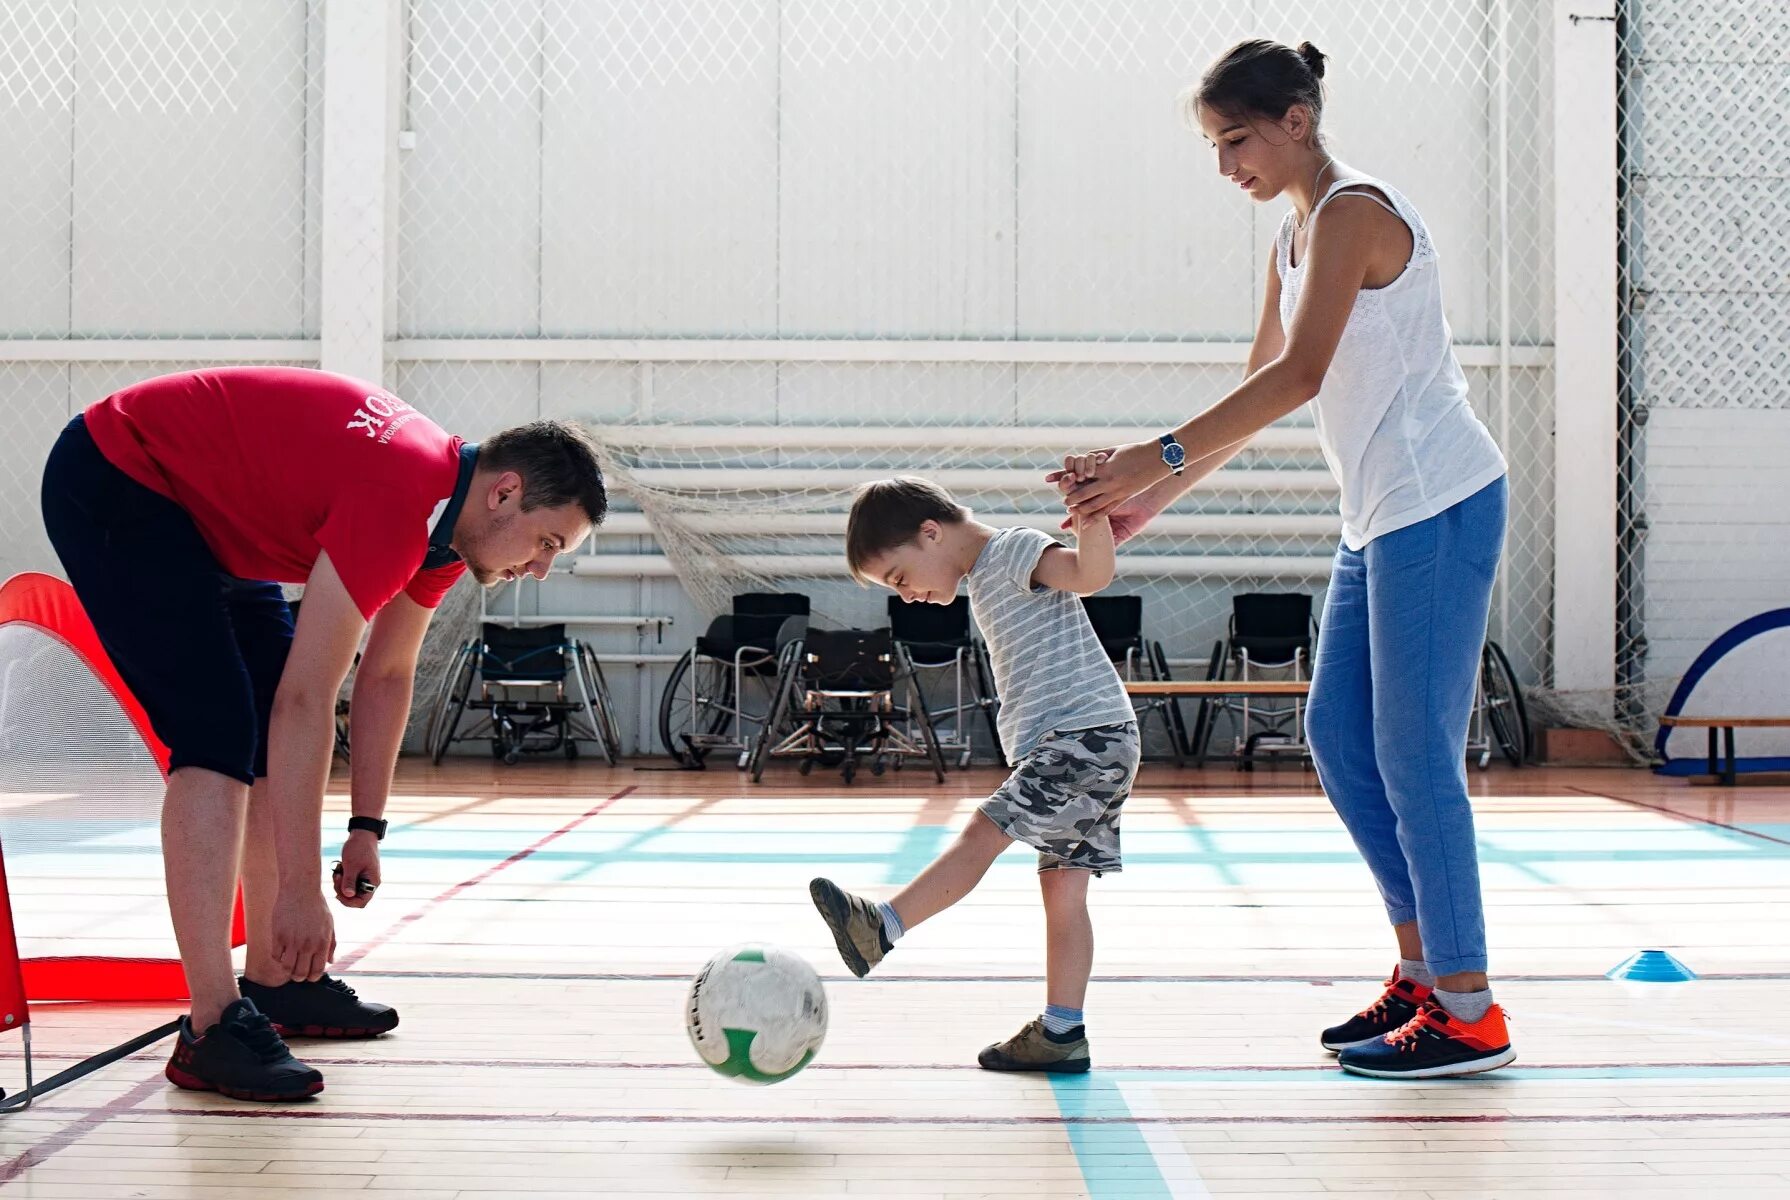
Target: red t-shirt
x,y
278,464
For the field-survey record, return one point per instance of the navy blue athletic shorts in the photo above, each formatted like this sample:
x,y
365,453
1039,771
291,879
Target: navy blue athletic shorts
x,y
201,650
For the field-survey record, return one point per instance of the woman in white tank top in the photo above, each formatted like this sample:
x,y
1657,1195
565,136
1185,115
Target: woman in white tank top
x,y
1353,323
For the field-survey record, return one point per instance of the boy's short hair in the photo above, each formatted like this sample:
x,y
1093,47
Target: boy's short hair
x,y
558,464
888,513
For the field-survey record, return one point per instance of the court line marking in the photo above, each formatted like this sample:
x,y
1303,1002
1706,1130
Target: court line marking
x,y
1213,1073
347,961
1181,1179
320,1113
89,1120
684,977
1687,818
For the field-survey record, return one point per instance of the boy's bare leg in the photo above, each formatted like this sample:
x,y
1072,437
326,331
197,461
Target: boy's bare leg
x,y
1069,937
202,821
953,874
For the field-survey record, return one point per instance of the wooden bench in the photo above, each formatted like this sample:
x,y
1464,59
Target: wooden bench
x,y
1217,689
1722,765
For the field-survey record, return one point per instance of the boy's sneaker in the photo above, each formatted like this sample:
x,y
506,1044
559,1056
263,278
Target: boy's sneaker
x,y
1035,1048
326,1008
857,925
1396,1005
242,1057
1434,1044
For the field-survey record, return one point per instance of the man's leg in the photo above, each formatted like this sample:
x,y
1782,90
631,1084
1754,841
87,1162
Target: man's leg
x,y
260,885
202,821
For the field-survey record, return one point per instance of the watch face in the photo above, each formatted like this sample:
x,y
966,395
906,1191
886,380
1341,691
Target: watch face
x,y
1173,454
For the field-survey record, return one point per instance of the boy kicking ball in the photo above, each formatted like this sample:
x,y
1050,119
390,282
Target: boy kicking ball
x,y
1065,723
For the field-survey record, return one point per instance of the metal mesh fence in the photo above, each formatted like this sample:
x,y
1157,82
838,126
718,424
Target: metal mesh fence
x,y
975,176
1704,266
777,246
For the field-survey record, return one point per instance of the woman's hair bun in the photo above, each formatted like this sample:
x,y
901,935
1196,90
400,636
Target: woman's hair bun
x,y
1314,58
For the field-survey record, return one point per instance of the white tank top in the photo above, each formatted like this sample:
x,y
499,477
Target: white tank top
x,y
1392,413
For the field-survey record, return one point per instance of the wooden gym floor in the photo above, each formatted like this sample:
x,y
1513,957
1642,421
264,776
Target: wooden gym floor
x,y
539,924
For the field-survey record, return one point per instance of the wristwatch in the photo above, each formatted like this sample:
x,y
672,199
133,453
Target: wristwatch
x,y
372,825
1173,453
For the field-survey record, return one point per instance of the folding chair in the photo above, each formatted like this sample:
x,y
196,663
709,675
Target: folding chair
x,y
1271,635
1119,624
533,691
838,693
938,638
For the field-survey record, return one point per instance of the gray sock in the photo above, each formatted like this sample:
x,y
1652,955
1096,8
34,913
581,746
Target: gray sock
x,y
1417,971
892,926
1467,1006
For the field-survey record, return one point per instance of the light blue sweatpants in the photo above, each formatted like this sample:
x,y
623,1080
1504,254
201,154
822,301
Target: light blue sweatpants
x,y
1391,695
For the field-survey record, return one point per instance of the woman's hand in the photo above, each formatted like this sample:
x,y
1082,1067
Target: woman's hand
x,y
1106,479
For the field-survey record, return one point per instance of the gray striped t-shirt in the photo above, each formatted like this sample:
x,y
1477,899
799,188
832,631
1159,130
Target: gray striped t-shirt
x,y
1049,669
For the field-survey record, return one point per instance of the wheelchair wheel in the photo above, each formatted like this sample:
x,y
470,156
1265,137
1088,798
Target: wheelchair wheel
x,y
450,703
597,692
702,710
1504,707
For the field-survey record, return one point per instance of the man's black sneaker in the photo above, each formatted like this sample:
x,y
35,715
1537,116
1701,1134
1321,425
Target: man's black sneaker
x,y
1396,1005
327,1008
241,1057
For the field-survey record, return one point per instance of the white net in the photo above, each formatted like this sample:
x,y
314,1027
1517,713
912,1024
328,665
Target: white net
x,y
80,816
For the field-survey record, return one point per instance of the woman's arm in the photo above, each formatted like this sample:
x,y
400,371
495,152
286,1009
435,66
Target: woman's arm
x,y
1270,340
1344,246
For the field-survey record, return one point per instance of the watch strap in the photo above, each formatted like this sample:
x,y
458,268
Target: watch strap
x,y
371,825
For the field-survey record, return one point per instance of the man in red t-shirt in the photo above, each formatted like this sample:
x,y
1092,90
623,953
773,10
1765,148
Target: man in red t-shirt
x,y
178,506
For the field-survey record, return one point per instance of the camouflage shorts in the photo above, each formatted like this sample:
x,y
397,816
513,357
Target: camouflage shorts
x,y
1064,797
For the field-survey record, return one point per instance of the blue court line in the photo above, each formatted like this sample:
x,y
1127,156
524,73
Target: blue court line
x,y
1116,1163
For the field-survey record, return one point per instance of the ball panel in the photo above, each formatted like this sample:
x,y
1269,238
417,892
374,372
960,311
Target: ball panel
x,y
757,1013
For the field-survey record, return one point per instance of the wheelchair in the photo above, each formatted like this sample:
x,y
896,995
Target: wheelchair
x,y
937,639
721,691
837,695
1500,717
1271,635
1118,622
529,691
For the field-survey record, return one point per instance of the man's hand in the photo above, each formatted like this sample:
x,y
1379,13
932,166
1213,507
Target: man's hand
x,y
304,934
360,861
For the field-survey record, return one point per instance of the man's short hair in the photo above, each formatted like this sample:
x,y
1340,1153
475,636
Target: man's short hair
x,y
558,464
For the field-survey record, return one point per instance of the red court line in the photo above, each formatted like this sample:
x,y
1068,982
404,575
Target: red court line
x,y
684,977
91,1119
1688,818
570,1064
978,1121
347,961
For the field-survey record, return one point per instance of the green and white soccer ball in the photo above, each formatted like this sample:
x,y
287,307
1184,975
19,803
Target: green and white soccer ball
x,y
757,1014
